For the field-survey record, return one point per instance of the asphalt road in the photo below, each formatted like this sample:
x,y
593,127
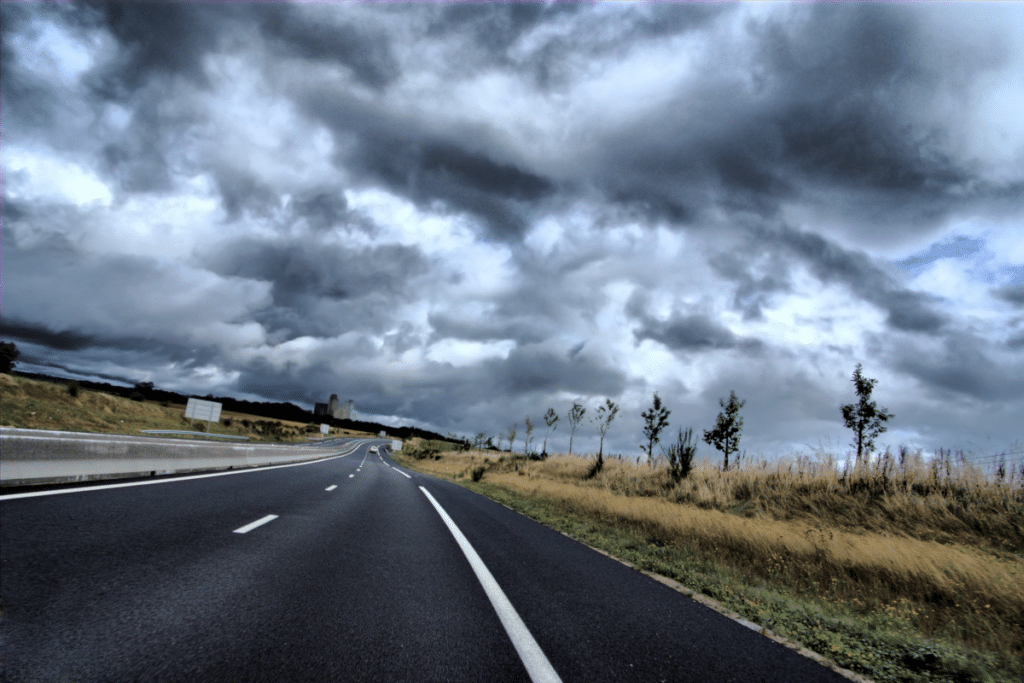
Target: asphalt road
x,y
347,570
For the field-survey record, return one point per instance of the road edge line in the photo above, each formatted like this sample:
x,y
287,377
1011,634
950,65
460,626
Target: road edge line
x,y
708,602
536,662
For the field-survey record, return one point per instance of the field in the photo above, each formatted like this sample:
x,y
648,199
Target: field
x,y
910,568
34,404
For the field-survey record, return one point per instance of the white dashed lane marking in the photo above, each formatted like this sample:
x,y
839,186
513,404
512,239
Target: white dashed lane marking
x,y
331,487
252,525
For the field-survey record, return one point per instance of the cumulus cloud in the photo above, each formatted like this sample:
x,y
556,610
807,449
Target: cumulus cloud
x,y
461,214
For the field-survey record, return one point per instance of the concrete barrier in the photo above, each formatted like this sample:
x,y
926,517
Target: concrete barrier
x,y
35,456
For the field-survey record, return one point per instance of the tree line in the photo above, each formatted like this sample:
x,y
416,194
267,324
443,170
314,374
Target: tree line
x,y
865,418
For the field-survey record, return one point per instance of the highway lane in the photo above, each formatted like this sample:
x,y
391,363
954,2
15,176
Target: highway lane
x,y
360,582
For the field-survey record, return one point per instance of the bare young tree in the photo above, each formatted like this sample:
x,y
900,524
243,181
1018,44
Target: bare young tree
x,y
655,420
511,433
550,418
575,417
603,420
865,418
726,434
527,436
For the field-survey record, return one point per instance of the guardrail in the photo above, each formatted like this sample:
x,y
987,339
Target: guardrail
x,y
35,456
183,432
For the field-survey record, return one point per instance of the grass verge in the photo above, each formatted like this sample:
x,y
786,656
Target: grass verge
x,y
33,404
888,607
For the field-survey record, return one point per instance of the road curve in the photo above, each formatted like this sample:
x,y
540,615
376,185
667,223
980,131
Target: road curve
x,y
346,569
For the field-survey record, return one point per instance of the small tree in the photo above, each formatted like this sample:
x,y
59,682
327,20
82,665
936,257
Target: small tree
x,y
865,418
550,418
681,454
726,434
575,417
512,431
8,354
527,435
603,420
655,419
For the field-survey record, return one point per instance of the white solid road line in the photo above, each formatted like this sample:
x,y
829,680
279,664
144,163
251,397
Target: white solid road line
x,y
331,487
401,472
536,662
259,522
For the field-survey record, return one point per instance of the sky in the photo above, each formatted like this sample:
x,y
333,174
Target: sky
x,y
458,216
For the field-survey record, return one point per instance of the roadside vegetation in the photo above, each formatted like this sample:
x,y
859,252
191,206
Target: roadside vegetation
x,y
34,404
904,568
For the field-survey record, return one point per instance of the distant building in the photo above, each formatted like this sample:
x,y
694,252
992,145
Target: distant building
x,y
335,409
345,411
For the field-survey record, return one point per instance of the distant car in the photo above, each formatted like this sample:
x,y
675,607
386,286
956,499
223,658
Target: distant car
x,y
373,449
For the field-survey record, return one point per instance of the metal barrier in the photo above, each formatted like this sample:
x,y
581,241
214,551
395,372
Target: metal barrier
x,y
199,434
33,456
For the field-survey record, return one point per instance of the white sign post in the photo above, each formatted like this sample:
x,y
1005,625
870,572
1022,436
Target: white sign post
x,y
324,429
204,410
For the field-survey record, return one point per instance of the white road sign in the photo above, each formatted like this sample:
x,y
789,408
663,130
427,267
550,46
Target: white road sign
x,y
199,409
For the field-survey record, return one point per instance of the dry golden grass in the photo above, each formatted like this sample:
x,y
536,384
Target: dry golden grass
x,y
942,545
35,404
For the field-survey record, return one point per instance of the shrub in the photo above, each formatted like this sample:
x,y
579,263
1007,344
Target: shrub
x,y
680,455
73,388
8,353
478,472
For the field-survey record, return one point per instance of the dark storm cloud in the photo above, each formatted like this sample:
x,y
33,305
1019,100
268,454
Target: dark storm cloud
x,y
300,269
824,113
29,101
753,291
907,310
692,333
964,366
64,340
418,165
846,68
1012,293
323,208
439,170
367,53
137,160
449,162
495,327
40,343
956,247
243,192
530,369
359,287
158,39
494,29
